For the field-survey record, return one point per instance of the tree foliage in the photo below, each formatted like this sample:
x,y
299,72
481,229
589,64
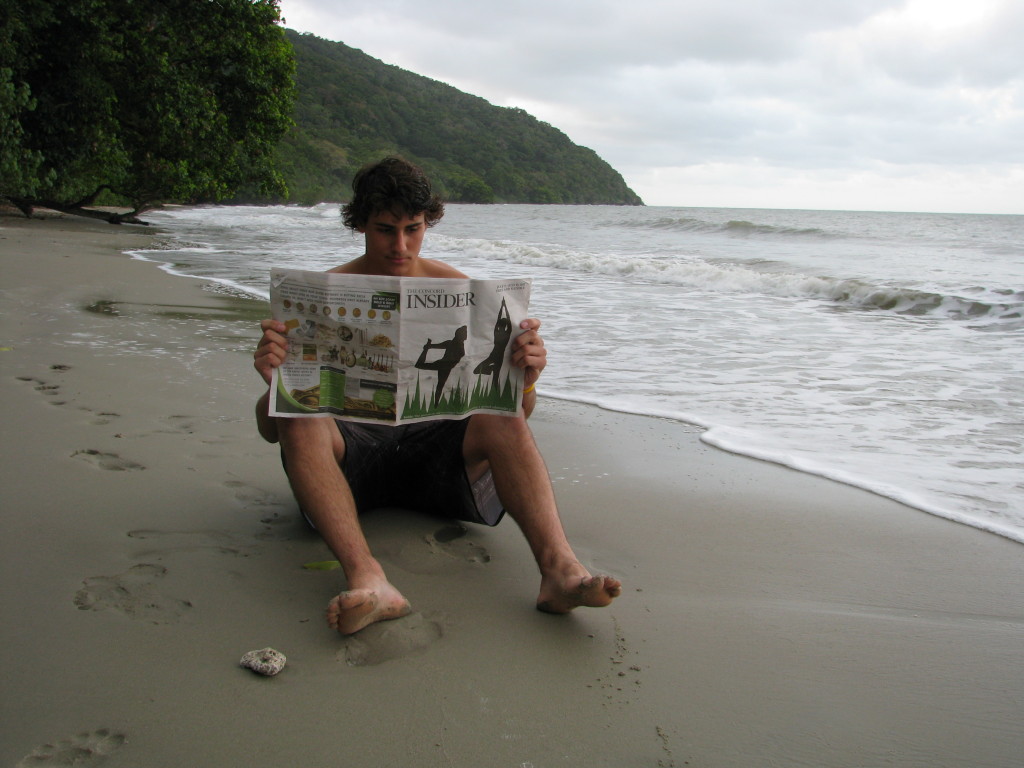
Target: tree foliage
x,y
352,109
180,100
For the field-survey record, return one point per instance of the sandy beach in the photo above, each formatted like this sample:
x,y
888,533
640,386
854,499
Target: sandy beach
x,y
149,540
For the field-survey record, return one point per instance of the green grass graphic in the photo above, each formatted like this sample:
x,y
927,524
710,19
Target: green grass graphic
x,y
457,401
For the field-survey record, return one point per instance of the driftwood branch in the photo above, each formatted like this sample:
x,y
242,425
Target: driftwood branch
x,y
79,208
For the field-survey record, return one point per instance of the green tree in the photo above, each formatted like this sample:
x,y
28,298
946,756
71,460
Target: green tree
x,y
18,166
179,100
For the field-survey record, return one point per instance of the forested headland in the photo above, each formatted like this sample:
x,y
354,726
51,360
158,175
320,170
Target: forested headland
x,y
351,109
128,104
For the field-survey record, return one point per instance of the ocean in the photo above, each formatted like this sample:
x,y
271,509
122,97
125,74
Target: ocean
x,y
881,350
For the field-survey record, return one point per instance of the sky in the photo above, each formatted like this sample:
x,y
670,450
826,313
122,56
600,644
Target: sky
x,y
884,105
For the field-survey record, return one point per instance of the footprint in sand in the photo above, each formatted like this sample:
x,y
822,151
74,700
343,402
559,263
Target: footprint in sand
x,y
284,527
170,542
278,523
446,549
180,423
451,541
53,390
250,496
621,684
132,593
83,749
48,389
102,418
104,460
389,640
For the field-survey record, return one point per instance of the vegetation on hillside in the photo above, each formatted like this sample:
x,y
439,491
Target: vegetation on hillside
x,y
141,101
352,109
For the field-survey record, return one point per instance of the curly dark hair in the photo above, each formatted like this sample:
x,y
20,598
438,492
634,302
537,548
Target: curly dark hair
x,y
392,184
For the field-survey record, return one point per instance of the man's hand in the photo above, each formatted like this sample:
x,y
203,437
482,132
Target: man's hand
x,y
528,352
271,350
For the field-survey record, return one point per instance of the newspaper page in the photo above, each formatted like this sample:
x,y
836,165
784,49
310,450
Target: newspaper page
x,y
396,350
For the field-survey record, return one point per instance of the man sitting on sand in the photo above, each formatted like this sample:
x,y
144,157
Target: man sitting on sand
x,y
449,466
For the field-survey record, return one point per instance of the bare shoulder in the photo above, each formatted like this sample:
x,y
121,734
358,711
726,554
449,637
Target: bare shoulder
x,y
421,268
349,268
435,268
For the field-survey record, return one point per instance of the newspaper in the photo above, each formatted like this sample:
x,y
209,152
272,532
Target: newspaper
x,y
396,350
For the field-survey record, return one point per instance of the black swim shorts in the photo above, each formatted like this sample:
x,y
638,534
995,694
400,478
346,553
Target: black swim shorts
x,y
416,466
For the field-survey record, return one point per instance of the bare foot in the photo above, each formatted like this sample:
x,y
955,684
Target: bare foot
x,y
357,608
561,594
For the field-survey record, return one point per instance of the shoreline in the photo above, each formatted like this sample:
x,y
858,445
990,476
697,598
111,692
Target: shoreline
x,y
151,539
897,495
977,490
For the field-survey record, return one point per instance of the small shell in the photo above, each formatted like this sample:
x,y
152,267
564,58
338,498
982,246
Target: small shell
x,y
266,661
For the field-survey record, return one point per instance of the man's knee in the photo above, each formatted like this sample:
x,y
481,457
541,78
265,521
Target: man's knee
x,y
487,432
311,436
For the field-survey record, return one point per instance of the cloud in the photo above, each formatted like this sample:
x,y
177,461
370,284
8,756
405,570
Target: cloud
x,y
814,92
880,187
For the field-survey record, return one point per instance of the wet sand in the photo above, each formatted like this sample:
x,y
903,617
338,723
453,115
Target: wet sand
x,y
149,540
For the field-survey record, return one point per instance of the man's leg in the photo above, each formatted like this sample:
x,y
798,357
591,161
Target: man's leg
x,y
314,450
506,445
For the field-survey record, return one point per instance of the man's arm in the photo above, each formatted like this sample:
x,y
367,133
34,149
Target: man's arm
x,y
528,353
265,423
270,353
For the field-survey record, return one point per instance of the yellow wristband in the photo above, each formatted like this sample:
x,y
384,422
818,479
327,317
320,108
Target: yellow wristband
x,y
530,389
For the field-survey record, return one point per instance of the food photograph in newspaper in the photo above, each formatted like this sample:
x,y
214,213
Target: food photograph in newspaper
x,y
396,350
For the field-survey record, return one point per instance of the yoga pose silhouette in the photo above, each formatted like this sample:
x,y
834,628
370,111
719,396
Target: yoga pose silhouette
x,y
454,351
502,333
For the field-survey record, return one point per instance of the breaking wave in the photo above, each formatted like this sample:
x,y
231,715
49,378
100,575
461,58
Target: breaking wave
x,y
735,227
975,304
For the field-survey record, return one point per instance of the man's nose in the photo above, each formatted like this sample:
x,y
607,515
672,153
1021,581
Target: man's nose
x,y
400,237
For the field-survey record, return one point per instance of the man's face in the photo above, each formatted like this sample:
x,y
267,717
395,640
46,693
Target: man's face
x,y
393,242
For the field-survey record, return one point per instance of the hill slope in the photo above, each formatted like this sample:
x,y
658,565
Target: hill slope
x,y
352,109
